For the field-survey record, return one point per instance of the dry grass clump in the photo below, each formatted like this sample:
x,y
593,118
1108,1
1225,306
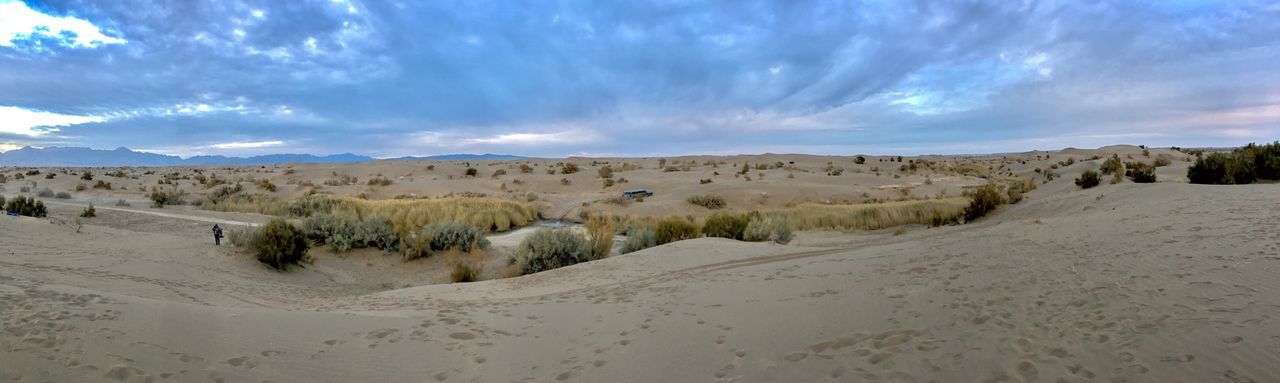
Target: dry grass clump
x,y
726,225
407,215
707,200
548,249
872,216
264,184
466,266
378,181
600,230
675,229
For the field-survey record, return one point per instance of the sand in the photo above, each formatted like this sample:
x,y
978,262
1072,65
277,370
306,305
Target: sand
x,y
1127,282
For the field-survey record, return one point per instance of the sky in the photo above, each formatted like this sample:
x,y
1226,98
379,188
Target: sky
x,y
636,78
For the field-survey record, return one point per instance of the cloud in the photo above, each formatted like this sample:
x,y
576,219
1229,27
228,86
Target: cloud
x,y
35,123
19,23
246,145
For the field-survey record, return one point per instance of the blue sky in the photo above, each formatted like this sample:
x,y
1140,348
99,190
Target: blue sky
x,y
559,78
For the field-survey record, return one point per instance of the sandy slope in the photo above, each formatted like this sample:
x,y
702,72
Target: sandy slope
x,y
1162,282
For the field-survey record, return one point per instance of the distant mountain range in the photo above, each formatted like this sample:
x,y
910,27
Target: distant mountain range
x,y
71,156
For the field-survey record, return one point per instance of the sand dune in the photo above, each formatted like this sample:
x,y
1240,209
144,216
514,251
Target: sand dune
x,y
1129,282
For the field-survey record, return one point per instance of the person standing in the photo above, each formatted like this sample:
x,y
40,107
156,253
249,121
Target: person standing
x,y
217,235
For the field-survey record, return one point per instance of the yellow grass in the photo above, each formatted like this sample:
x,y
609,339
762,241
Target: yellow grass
x,y
872,216
405,215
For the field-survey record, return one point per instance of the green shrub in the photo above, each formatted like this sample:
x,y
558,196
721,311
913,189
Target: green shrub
x,y
548,249
639,239
1140,172
1111,165
160,198
87,176
102,185
27,206
768,228
1242,166
122,202
343,233
707,200
472,172
89,212
280,244
675,229
1088,179
984,200
441,237
725,225
45,193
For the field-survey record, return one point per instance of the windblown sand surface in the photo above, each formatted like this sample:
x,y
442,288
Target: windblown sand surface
x,y
1130,282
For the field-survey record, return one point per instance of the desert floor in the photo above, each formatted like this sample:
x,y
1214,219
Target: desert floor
x,y
1123,282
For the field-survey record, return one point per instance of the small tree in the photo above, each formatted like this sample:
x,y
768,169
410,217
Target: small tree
x,y
983,201
1088,179
281,244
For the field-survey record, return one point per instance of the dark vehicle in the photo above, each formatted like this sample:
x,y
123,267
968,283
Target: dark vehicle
x,y
633,193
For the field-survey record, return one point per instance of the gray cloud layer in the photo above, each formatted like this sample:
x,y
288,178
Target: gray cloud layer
x,y
631,78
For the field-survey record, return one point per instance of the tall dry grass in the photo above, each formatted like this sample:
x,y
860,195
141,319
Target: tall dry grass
x,y
872,216
405,216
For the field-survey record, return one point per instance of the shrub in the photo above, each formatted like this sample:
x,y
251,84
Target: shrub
x,y
1242,166
768,228
707,200
87,176
102,185
675,229
1140,172
1111,165
263,184
47,176
1088,179
605,172
89,212
343,232
639,239
45,193
499,173
569,168
27,206
548,249
122,202
859,160
983,201
464,271
280,244
600,231
160,198
1162,160
63,195
726,225
2,201
472,172
441,237
407,216
81,187
525,168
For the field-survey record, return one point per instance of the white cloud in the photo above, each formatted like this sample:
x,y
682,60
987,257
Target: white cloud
x,y
567,137
35,123
246,145
7,146
20,22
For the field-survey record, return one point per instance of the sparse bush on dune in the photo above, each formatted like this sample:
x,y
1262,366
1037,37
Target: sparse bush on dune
x,y
45,193
707,200
726,225
1111,165
280,244
984,200
160,198
548,249
27,206
444,236
466,266
63,195
569,168
89,212
378,181
639,239
264,184
768,228
1088,179
1140,172
675,229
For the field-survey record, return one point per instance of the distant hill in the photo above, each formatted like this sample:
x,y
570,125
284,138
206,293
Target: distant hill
x,y
455,157
71,156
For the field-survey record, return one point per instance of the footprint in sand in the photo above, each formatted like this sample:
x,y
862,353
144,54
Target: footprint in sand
x,y
1232,339
462,336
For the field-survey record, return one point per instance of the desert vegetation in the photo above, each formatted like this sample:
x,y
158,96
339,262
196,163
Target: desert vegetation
x,y
27,206
768,228
872,216
983,201
1245,165
707,200
442,236
675,229
1088,179
548,249
345,232
277,244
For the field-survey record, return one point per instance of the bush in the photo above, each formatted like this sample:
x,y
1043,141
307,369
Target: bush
x,y
343,233
569,168
768,228
122,202
605,172
27,206
45,193
548,249
859,160
1162,160
263,184
63,195
465,272
1242,166
525,168
1140,172
707,200
472,172
600,230
102,185
1111,165
280,244
639,239
441,237
89,212
1088,179
159,198
87,176
378,181
984,200
675,229
726,225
